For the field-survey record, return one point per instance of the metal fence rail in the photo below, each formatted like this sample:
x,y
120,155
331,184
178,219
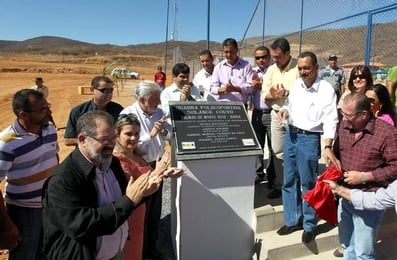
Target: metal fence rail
x,y
357,31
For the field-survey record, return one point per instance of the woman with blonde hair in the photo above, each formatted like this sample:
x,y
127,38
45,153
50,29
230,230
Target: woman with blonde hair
x,y
127,130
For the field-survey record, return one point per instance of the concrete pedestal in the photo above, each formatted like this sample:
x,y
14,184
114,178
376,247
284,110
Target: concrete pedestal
x,y
212,215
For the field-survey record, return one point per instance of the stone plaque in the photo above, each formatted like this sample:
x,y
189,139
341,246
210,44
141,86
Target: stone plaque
x,y
212,127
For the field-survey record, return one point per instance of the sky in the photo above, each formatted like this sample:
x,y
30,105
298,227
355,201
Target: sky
x,y
130,22
123,22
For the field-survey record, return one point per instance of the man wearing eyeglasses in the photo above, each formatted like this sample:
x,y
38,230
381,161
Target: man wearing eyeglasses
x,y
28,155
87,199
367,149
334,75
309,111
102,88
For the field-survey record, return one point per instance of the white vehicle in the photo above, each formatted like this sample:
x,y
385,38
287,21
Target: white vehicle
x,y
124,73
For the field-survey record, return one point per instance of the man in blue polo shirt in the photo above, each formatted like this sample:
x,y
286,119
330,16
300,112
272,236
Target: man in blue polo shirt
x,y
102,88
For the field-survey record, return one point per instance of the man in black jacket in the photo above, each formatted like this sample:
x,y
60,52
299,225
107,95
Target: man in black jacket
x,y
85,211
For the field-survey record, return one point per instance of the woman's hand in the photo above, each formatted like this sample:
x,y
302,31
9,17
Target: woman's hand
x,y
174,172
163,163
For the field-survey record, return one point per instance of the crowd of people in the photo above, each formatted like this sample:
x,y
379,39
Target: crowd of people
x,y
104,200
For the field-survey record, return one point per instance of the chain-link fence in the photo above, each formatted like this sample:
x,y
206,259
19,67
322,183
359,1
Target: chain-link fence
x,y
357,31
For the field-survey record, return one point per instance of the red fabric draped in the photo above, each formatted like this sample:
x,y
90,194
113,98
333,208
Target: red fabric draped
x,y
321,199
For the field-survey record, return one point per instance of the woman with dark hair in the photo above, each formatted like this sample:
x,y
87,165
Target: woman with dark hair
x,y
381,105
128,130
360,79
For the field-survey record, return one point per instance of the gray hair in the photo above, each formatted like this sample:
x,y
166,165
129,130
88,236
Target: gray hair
x,y
87,123
145,89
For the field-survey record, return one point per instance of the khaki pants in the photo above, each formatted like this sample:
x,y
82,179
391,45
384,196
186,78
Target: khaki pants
x,y
277,139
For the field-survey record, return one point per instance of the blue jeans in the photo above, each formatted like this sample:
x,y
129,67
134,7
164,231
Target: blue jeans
x,y
357,231
30,225
301,154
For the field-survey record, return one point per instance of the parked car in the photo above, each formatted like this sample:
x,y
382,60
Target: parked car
x,y
124,73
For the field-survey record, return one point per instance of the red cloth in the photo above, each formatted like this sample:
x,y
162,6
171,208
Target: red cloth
x,y
321,199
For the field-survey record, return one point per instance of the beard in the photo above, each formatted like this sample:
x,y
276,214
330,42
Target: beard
x,y
106,159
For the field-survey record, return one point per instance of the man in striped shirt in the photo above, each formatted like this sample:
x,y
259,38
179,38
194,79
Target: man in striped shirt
x,y
28,154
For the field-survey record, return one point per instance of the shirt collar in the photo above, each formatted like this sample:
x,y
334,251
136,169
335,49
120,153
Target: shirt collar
x,y
238,62
174,88
20,130
313,88
291,64
369,127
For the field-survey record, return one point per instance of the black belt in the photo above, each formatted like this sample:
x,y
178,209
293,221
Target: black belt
x,y
297,130
263,111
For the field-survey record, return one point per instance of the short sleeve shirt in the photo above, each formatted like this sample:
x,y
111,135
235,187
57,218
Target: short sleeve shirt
x,y
112,108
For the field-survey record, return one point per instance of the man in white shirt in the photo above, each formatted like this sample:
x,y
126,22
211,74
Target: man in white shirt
x,y
310,111
154,131
154,127
181,89
202,79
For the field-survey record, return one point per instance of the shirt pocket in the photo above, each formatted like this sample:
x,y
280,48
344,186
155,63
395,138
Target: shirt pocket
x,y
315,111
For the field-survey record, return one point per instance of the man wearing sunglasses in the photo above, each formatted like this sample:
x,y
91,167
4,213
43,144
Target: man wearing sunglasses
x,y
102,88
261,114
334,75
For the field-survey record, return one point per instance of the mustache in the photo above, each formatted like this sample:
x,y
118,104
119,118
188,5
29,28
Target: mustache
x,y
107,148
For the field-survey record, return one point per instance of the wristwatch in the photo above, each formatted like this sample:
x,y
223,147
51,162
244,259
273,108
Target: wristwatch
x,y
363,180
328,147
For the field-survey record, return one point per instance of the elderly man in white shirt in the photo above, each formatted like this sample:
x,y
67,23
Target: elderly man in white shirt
x,y
310,111
154,127
154,131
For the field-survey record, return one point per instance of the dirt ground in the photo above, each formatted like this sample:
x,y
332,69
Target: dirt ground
x,y
63,87
63,81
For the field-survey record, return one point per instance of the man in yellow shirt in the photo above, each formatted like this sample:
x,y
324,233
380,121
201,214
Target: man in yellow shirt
x,y
276,84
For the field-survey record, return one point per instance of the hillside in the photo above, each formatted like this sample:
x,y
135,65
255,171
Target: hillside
x,y
348,43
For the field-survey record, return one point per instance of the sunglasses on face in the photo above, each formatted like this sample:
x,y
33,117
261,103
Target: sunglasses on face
x,y
264,57
360,76
104,90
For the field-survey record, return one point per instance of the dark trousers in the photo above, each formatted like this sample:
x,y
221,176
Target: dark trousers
x,y
152,219
30,225
261,123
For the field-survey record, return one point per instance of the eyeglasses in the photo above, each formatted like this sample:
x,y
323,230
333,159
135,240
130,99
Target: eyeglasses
x,y
264,57
105,90
360,76
41,110
104,140
350,117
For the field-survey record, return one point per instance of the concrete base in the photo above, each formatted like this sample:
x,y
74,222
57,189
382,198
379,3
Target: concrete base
x,y
213,217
